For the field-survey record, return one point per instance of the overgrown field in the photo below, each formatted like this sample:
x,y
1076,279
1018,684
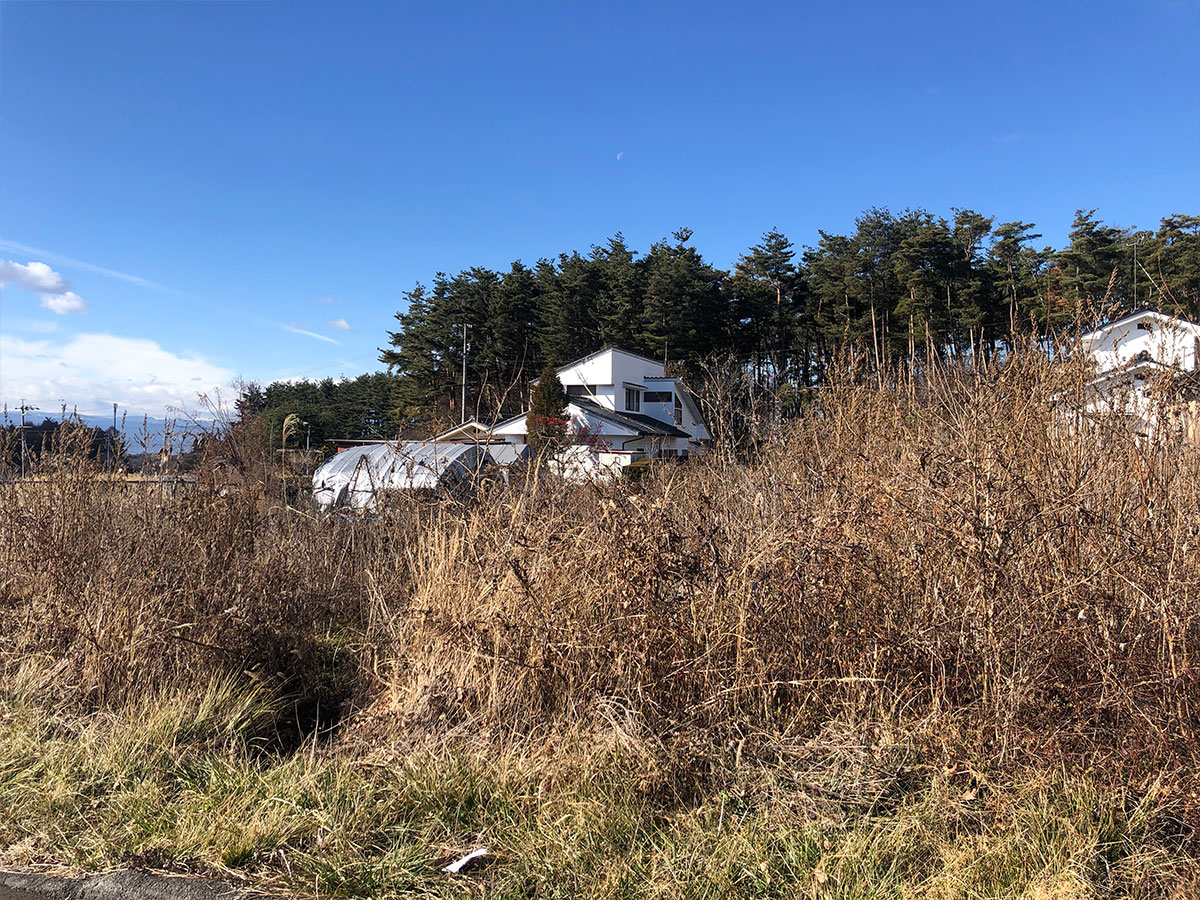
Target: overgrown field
x,y
936,638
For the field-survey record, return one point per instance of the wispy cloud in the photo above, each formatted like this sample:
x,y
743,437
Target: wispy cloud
x,y
339,324
59,259
1012,137
296,329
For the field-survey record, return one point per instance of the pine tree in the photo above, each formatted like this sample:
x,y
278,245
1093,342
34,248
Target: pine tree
x,y
685,314
1172,266
566,308
924,263
419,350
619,303
766,311
976,309
1089,272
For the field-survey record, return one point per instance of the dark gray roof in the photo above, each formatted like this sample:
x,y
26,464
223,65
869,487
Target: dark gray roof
x,y
638,422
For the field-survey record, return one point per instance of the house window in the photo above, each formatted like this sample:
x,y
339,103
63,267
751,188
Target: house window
x,y
581,390
678,412
657,396
633,399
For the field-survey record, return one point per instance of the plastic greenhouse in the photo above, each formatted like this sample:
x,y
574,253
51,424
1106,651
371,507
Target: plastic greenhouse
x,y
355,477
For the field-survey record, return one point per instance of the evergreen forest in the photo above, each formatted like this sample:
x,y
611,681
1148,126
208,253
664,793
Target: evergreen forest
x,y
900,284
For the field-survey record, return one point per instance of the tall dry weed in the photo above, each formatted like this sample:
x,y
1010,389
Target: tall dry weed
x,y
958,547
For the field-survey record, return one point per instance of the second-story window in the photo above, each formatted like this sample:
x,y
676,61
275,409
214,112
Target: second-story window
x,y
678,411
633,399
581,390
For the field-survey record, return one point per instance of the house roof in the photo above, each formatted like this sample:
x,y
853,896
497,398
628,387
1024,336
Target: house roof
x,y
1131,317
637,421
466,428
604,350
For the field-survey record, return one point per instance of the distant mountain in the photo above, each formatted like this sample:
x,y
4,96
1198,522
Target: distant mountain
x,y
141,435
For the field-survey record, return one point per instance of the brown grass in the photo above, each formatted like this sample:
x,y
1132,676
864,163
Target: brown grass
x,y
1019,585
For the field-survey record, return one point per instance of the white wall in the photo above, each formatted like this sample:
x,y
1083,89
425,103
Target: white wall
x,y
606,396
514,431
1169,342
608,372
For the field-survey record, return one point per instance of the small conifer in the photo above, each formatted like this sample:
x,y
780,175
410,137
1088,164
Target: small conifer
x,y
546,424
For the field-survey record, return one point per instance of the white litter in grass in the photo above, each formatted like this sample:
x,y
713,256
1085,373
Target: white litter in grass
x,y
459,864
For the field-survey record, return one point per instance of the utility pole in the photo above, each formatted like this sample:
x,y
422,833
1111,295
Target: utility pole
x,y
1134,241
24,409
464,375
1137,241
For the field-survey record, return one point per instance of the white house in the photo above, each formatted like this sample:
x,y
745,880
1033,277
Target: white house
x,y
626,408
1144,339
1132,352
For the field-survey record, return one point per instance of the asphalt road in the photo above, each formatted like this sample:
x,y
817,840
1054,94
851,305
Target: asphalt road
x,y
126,885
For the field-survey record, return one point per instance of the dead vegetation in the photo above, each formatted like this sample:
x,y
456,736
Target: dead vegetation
x,y
936,584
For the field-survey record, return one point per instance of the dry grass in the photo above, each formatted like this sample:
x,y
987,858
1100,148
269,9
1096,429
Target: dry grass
x,y
179,781
941,618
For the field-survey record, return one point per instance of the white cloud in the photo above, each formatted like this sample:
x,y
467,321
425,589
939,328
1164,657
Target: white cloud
x,y
294,328
65,304
33,276
339,324
90,372
41,279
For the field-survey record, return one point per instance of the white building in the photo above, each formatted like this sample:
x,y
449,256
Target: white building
x,y
1132,353
622,407
1144,339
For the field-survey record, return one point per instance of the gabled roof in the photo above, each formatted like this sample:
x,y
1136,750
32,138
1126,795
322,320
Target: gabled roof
x,y
602,351
467,430
636,422
640,423
1132,317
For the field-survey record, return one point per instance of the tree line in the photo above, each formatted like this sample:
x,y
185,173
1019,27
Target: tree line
x,y
363,407
23,448
899,284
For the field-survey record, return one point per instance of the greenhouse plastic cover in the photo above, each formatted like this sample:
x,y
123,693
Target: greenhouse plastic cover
x,y
352,477
504,454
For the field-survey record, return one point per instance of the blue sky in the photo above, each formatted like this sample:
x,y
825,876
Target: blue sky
x,y
204,176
